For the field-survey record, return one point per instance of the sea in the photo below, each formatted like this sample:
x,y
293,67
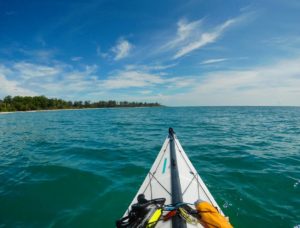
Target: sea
x,y
82,168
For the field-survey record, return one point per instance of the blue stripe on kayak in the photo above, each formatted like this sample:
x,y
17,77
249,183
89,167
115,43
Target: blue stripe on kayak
x,y
165,165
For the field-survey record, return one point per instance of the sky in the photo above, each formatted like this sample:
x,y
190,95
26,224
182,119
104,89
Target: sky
x,y
175,52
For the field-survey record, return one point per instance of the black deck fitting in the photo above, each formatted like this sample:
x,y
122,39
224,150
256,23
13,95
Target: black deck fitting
x,y
171,131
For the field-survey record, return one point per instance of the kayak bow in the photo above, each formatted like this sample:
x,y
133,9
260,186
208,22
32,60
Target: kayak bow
x,y
173,177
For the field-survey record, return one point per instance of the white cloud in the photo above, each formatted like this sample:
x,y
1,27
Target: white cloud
x,y
181,82
196,41
132,78
72,81
211,61
11,87
122,49
193,35
60,80
157,67
29,70
185,31
276,84
66,81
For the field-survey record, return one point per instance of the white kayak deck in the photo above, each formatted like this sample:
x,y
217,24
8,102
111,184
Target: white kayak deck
x,y
157,183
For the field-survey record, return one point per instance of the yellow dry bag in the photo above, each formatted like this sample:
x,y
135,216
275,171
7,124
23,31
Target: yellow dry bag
x,y
210,217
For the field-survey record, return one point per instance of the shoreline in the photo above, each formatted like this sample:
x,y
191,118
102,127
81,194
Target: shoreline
x,y
73,109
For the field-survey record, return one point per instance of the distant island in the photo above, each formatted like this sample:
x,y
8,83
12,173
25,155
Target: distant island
x,y
27,103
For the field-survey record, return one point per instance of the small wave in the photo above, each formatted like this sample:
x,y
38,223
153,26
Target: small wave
x,y
227,204
296,184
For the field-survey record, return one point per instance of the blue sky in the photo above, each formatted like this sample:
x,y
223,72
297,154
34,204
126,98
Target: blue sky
x,y
174,52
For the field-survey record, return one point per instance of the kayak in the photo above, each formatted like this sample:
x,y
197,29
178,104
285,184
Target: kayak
x,y
173,178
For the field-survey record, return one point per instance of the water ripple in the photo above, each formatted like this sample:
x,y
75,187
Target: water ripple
x,y
82,168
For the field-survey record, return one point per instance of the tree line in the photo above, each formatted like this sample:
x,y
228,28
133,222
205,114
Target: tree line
x,y
28,103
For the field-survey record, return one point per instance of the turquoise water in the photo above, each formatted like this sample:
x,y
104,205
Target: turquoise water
x,y
82,168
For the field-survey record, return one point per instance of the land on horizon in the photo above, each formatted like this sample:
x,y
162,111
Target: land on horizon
x,y
39,103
